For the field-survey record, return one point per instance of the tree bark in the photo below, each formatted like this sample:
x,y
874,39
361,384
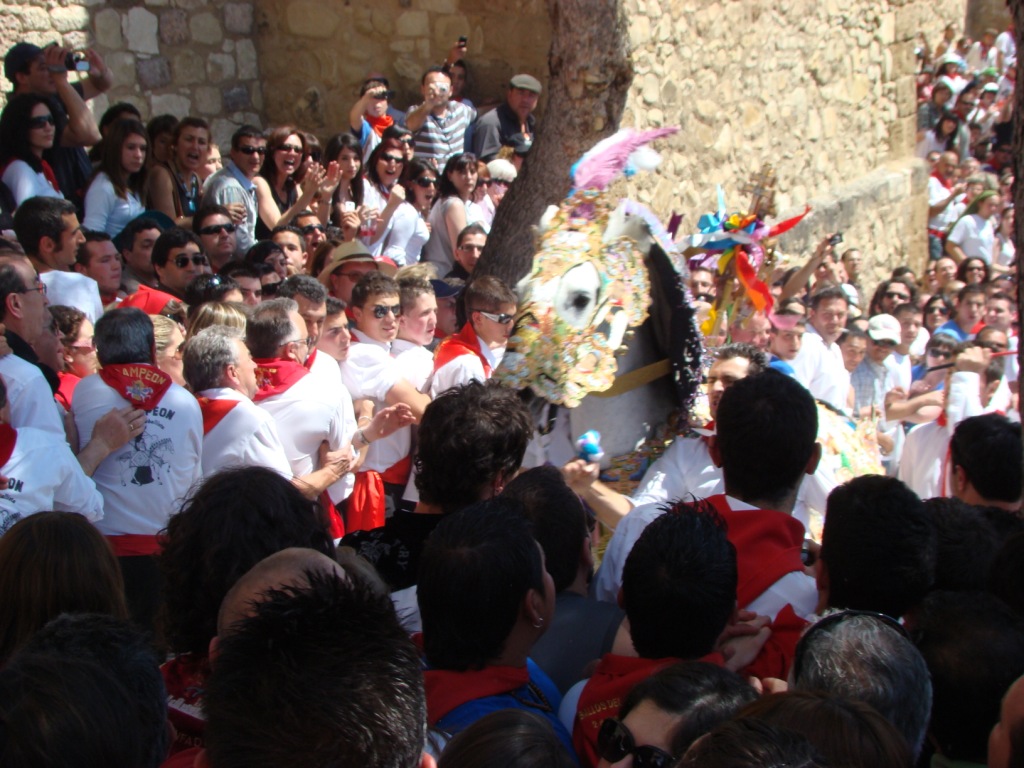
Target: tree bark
x,y
1017,9
590,74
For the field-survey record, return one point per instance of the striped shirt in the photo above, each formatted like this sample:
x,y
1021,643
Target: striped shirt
x,y
440,138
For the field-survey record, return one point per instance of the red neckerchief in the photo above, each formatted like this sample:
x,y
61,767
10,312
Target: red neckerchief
x,y
275,376
464,342
776,657
66,390
214,411
50,176
379,124
942,181
140,383
447,690
767,543
8,437
308,365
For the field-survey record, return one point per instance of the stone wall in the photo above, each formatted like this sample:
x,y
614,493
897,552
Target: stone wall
x,y
184,57
982,14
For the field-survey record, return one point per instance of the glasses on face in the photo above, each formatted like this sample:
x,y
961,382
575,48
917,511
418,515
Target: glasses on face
x,y
253,150
897,295
181,261
39,287
407,141
290,148
309,229
216,229
937,308
40,122
392,159
355,277
884,342
940,354
83,348
615,742
501,319
308,341
425,181
380,311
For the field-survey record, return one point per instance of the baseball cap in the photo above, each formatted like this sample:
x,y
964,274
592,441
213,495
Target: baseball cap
x,y
884,328
526,83
19,57
443,290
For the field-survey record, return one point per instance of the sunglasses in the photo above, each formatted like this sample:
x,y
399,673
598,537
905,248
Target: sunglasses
x,y
897,295
290,148
502,319
40,122
380,311
309,229
940,354
615,742
937,308
407,140
182,260
253,150
216,229
425,181
392,159
82,347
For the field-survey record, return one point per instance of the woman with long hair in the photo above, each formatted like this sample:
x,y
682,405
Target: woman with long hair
x,y
344,149
450,211
409,230
279,197
1005,253
381,194
26,131
115,193
937,311
973,270
174,187
944,137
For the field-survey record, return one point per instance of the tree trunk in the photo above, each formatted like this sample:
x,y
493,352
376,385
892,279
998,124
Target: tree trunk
x,y
1017,9
590,75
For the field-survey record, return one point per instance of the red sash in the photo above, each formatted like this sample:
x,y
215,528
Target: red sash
x,y
134,544
465,342
308,365
8,437
214,411
275,376
140,383
776,656
366,507
447,690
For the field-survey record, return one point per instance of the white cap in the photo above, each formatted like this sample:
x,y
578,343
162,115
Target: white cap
x,y
884,328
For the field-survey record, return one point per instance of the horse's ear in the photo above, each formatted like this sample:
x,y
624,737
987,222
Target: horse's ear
x,y
674,323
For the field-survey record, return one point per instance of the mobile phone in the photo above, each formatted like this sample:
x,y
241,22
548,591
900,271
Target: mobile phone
x,y
348,206
76,62
463,40
836,239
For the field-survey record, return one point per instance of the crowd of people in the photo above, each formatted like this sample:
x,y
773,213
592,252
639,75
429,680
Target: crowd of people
x,y
292,519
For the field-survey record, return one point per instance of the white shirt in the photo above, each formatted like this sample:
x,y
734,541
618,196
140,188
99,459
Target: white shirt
x,y
306,415
325,369
71,289
105,211
370,372
820,368
24,183
245,437
975,235
414,361
32,403
406,237
936,194
43,474
465,368
144,482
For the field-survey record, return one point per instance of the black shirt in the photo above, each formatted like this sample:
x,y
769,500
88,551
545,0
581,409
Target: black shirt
x,y
395,547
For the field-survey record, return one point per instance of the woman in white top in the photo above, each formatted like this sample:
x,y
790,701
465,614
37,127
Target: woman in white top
x,y
974,233
1005,251
449,216
409,230
114,196
26,131
381,194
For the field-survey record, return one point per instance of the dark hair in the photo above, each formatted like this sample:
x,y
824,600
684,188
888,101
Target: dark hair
x,y
475,571
988,450
974,289
412,286
414,169
40,217
206,212
974,646
557,517
750,743
69,321
11,280
133,228
458,162
487,293
370,167
767,428
967,544
126,654
338,142
961,271
431,71
124,335
469,229
191,122
52,562
245,132
82,254
508,738
469,437
334,306
757,358
119,111
159,125
684,560
1006,573
261,251
319,675
111,159
878,545
846,732
275,139
866,657
269,326
305,286
827,293
702,695
169,240
371,284
14,130
233,520
236,268
202,289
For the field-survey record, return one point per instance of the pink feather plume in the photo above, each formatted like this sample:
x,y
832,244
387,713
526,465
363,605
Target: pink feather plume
x,y
606,159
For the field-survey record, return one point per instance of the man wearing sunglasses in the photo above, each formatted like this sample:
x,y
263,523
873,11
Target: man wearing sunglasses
x,y
475,351
469,246
233,186
216,231
371,372
873,378
177,258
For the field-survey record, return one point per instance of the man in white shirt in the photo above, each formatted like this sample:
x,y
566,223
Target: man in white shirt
x,y
48,230
416,328
311,297
943,190
819,364
371,372
475,351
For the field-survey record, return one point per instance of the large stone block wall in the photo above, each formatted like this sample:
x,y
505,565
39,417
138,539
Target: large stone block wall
x,y
982,14
184,57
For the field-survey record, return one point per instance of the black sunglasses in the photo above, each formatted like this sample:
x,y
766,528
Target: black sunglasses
x,y
380,311
311,228
392,159
253,150
425,181
41,121
897,295
181,261
216,229
615,741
